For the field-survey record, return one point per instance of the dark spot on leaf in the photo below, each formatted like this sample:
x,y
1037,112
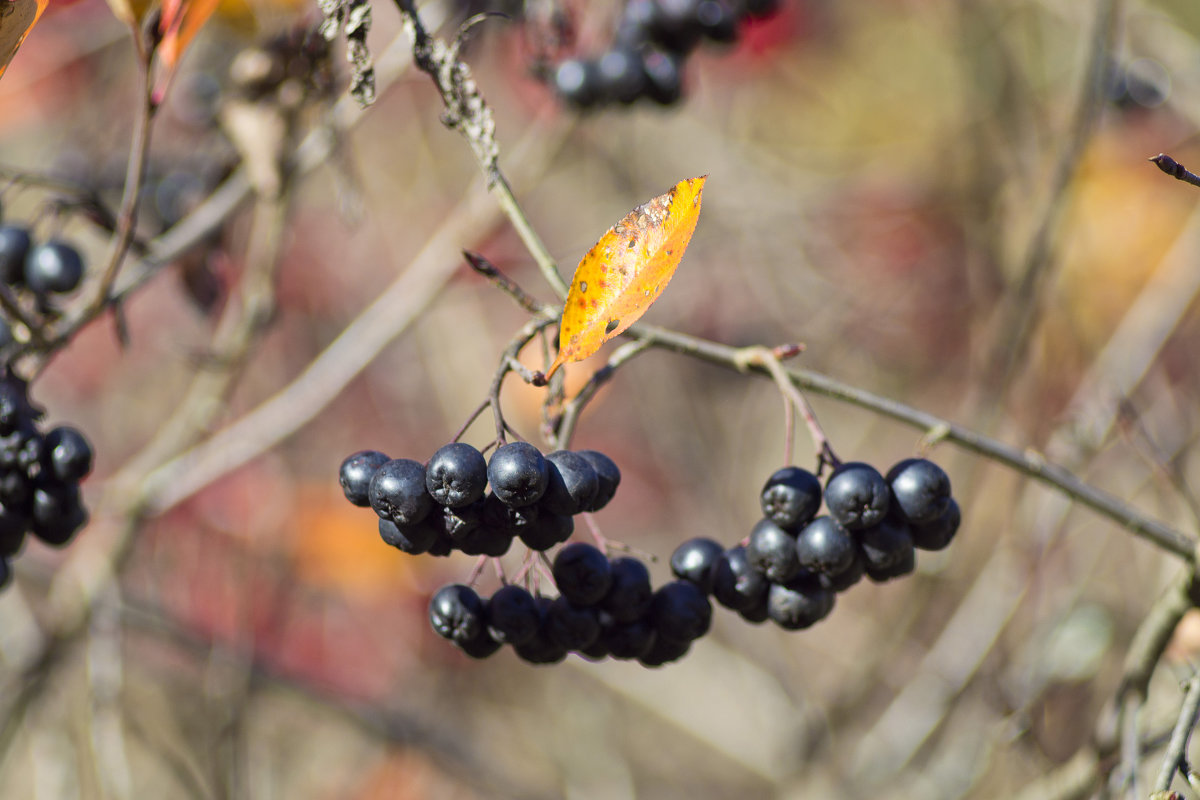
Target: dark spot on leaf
x,y
612,325
583,286
632,243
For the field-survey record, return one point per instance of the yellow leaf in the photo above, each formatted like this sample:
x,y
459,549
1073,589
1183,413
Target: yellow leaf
x,y
626,271
181,21
17,18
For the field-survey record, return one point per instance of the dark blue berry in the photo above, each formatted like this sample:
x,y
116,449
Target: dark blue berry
x,y
582,573
680,612
630,594
693,561
540,648
847,577
664,77
664,651
607,473
547,530
857,496
512,615
457,613
481,646
772,551
397,492
573,483
626,640
736,584
825,547
757,613
412,539
518,474
355,475
937,534
575,82
791,497
619,75
572,627
54,266
718,21
456,475
57,512
885,547
799,603
920,489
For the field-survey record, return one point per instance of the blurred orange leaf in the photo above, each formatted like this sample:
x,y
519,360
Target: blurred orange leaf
x,y
17,18
181,21
626,271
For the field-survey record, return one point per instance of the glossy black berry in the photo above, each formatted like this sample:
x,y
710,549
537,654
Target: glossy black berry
x,y
626,640
847,577
857,495
54,266
664,651
760,8
676,27
757,613
630,594
693,561
772,551
496,514
456,475
518,474
886,547
397,492
799,603
575,82
485,540
458,522
608,474
442,546
619,75
355,475
570,626
573,483
457,613
513,616
904,565
736,584
920,489
637,21
540,648
680,611
582,573
16,488
57,512
481,646
15,408
11,539
548,530
412,539
14,247
791,497
825,547
938,534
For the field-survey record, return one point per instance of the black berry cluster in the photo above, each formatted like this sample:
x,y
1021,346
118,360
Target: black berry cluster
x,y
43,268
652,41
39,476
443,505
795,561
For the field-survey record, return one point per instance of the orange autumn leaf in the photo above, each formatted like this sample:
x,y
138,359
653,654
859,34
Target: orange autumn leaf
x,y
626,271
181,21
17,18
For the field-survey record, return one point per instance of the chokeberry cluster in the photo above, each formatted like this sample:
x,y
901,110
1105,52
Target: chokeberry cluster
x,y
651,43
795,561
39,476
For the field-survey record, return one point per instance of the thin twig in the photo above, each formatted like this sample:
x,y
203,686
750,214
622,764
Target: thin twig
x,y
506,284
1175,169
766,358
1173,758
564,429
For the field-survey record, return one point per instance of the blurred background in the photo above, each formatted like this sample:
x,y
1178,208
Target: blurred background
x,y
948,203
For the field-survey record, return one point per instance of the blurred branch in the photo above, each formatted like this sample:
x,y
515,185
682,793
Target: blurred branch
x,y
1175,169
1173,759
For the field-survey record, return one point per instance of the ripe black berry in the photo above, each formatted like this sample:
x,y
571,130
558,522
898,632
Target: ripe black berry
x,y
481,646
607,473
572,627
540,648
938,534
573,483
457,613
772,551
847,577
412,539
626,640
485,540
512,615
582,573
693,561
920,489
547,530
14,247
456,475
518,474
575,82
54,266
757,613
459,522
619,75
799,603
5,572
676,27
680,612
664,651
886,547
717,21
760,8
857,495
355,475
825,547
630,594
736,584
397,492
11,539
791,497
57,512
664,77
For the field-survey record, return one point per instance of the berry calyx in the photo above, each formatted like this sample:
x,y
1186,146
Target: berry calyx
x,y
397,492
456,475
518,474
857,495
791,497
